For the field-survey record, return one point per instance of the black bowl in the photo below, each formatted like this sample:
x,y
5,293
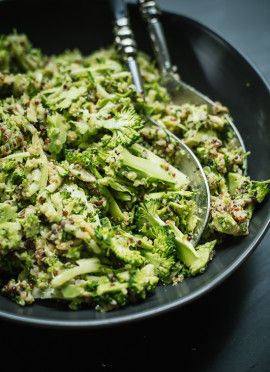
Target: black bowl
x,y
206,61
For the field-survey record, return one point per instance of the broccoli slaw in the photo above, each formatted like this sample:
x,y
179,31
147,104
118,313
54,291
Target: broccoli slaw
x,y
94,210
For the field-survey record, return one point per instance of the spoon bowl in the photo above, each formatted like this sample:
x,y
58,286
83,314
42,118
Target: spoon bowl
x,y
187,162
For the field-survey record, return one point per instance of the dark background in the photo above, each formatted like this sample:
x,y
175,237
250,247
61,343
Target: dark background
x,y
228,329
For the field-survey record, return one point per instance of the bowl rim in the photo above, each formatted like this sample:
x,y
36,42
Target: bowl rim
x,y
205,288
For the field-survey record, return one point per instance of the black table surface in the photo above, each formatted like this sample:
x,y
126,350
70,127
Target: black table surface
x,y
228,329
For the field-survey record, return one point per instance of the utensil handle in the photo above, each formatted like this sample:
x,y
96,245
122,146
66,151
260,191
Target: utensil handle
x,y
125,41
151,13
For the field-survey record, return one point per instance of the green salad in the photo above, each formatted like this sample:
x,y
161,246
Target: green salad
x,y
94,210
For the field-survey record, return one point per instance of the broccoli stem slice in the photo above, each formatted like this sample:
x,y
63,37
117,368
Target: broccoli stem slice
x,y
150,168
85,266
176,175
114,208
17,156
195,259
186,250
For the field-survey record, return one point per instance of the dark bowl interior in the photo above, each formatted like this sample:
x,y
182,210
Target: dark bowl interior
x,y
204,60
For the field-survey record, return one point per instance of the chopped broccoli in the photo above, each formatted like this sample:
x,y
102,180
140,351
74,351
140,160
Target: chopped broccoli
x,y
30,223
123,124
119,245
10,236
143,281
148,221
8,212
223,222
241,185
59,98
57,132
85,266
146,217
260,189
195,259
179,178
17,54
94,210
120,162
163,265
20,291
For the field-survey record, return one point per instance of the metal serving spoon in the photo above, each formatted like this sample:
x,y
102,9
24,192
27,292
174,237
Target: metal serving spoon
x,y
188,163
179,91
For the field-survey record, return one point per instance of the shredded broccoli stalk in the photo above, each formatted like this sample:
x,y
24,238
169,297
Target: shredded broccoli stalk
x,y
85,266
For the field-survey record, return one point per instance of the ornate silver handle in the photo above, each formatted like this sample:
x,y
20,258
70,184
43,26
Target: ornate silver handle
x,y
125,41
151,12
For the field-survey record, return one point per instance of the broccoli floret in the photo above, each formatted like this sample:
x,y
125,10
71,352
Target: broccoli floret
x,y
11,138
164,241
166,207
163,264
194,138
148,221
30,223
162,254
119,245
105,293
260,189
177,206
121,250
123,123
216,181
183,213
231,215
82,158
223,222
143,281
88,159
110,294
8,212
242,186
57,132
169,241
232,210
238,184
10,236
146,217
17,54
